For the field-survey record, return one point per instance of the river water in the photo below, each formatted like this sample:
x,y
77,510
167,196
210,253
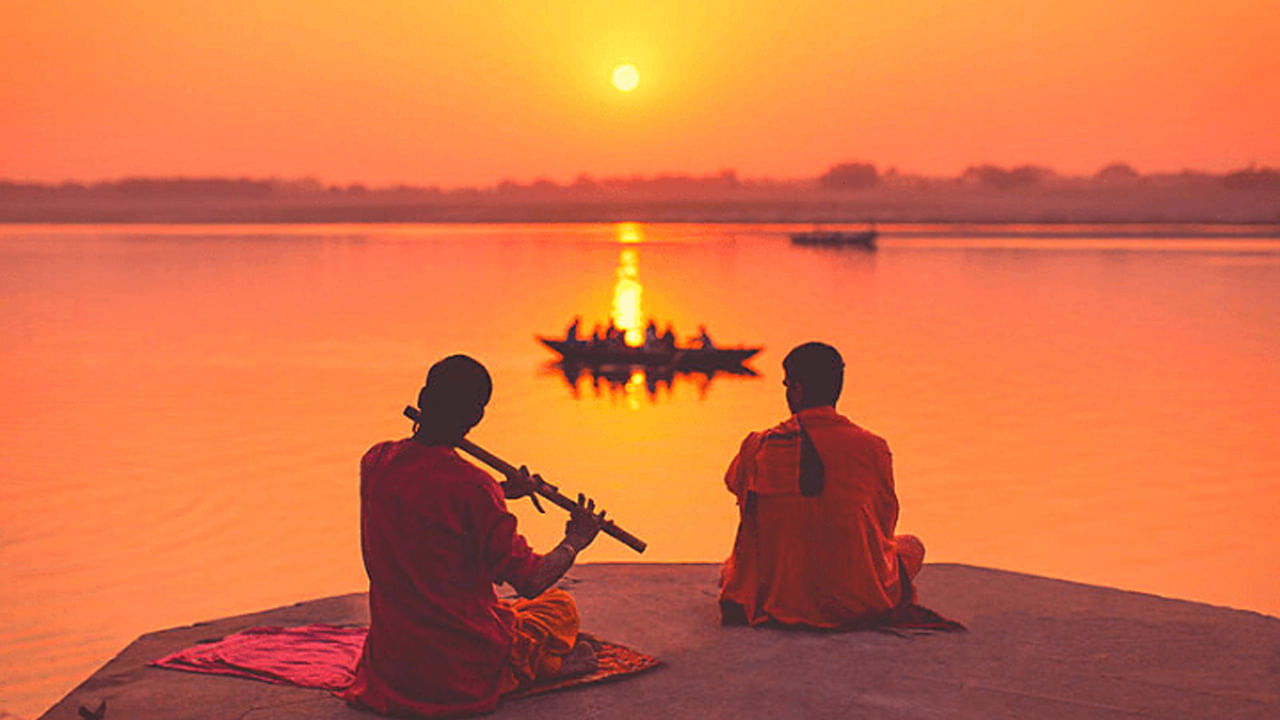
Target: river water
x,y
184,407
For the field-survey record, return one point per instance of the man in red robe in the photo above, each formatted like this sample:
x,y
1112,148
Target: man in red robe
x,y
436,536
817,511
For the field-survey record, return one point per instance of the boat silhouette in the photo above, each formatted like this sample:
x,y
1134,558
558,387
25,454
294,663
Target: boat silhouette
x,y
585,352
864,239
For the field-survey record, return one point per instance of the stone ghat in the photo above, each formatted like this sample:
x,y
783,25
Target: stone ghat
x,y
1036,648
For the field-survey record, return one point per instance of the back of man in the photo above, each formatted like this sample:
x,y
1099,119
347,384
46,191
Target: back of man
x,y
815,544
436,535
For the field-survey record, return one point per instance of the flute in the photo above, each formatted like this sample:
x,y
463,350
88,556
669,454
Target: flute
x,y
543,488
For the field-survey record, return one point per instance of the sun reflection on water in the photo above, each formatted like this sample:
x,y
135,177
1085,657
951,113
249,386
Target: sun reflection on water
x,y
635,388
627,292
630,233
634,384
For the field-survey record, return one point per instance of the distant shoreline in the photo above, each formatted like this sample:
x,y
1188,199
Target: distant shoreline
x,y
913,229
848,194
471,216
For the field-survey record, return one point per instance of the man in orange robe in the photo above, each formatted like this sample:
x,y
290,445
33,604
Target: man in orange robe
x,y
437,536
817,510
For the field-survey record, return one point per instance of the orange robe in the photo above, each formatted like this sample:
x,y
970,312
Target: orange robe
x,y
826,561
545,631
436,536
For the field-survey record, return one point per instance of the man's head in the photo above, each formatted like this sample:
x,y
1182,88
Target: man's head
x,y
814,376
452,400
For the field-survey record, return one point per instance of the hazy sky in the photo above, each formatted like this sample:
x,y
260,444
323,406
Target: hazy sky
x,y
470,92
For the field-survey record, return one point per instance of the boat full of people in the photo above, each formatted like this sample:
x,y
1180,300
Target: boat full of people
x,y
609,347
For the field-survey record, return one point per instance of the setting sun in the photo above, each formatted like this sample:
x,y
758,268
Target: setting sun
x,y
625,78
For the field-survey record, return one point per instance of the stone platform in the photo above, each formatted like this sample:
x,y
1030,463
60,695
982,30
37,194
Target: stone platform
x,y
1036,648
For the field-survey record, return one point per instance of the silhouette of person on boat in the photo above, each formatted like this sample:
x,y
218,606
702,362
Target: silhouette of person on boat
x,y
704,340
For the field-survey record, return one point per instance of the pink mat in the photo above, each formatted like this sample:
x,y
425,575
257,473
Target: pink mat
x,y
310,656
324,657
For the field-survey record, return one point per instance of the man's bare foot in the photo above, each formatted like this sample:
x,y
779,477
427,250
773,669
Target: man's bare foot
x,y
580,660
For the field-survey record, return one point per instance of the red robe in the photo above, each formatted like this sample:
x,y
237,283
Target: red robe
x,y
436,536
824,561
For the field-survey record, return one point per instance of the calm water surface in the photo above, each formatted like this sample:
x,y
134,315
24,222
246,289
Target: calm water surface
x,y
184,407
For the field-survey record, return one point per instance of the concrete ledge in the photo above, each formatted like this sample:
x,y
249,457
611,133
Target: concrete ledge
x,y
1037,648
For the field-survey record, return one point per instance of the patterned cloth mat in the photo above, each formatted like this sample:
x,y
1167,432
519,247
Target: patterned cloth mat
x,y
613,661
324,657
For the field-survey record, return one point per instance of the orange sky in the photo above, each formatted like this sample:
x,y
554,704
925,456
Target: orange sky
x,y
472,92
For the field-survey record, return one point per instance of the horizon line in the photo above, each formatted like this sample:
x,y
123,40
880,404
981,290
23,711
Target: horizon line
x,y
584,178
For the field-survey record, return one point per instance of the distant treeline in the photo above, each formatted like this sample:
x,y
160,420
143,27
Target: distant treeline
x,y
852,191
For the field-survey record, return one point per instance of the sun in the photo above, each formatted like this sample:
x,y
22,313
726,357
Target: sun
x,y
625,77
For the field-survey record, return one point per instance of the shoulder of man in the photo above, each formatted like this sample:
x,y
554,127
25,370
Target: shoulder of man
x,y
461,481
867,433
871,439
450,465
377,455
467,472
833,424
474,483
787,430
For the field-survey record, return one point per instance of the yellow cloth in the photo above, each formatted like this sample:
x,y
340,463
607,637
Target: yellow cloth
x,y
822,561
545,631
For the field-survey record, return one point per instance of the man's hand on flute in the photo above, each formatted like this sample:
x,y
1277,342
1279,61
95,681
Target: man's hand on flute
x,y
584,524
581,530
520,483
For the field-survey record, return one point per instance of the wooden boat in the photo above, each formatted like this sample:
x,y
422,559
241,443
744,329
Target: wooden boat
x,y
865,239
594,354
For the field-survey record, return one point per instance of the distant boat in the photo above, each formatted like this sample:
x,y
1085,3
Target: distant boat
x,y
596,354
864,239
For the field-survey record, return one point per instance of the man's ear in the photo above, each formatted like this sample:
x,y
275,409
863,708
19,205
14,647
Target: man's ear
x,y
477,414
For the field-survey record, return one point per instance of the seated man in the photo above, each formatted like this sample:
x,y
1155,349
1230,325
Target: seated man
x,y
436,536
815,545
